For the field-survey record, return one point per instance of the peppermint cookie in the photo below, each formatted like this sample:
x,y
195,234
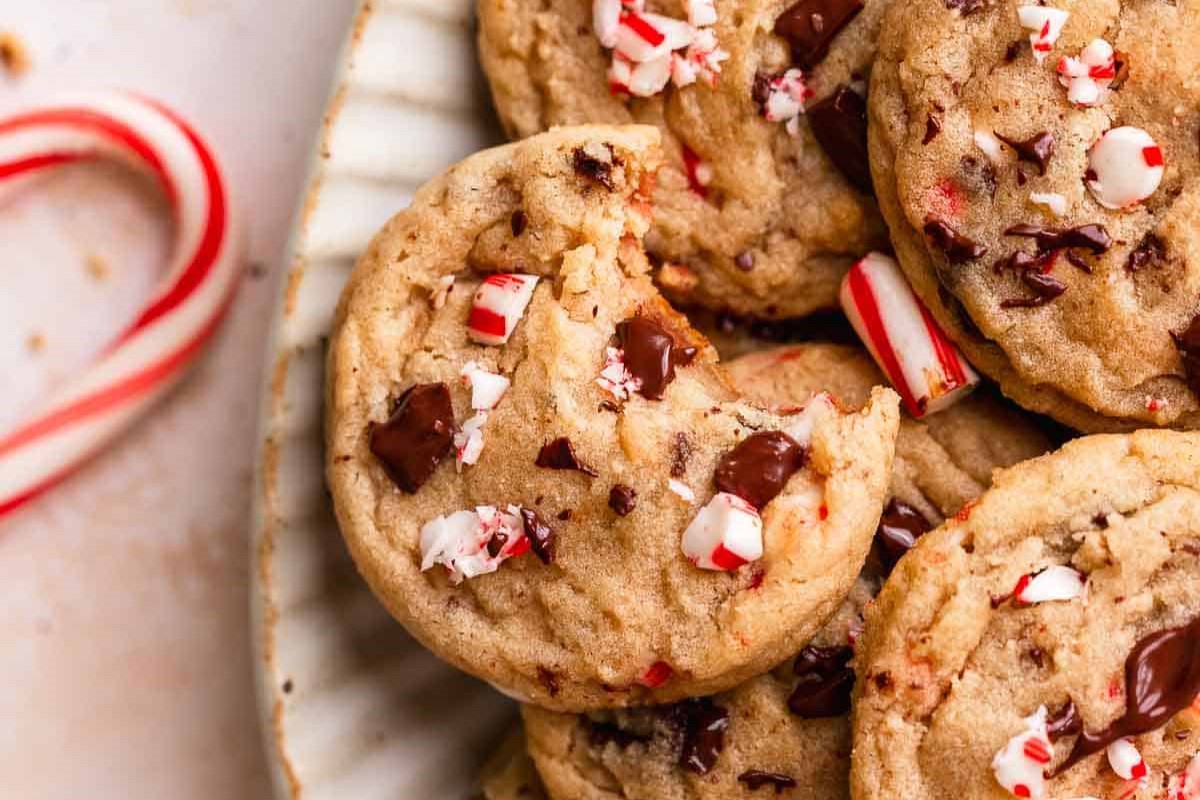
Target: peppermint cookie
x,y
789,729
1047,643
509,773
538,466
764,200
1039,170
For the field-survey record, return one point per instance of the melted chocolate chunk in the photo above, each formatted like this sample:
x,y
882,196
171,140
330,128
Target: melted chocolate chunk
x,y
651,355
759,467
1064,722
933,126
965,7
1188,345
744,261
681,453
839,124
1162,677
1013,50
518,222
1090,237
755,779
565,515
560,454
1045,288
703,724
416,437
548,679
1121,68
760,90
958,248
825,682
899,528
594,168
810,26
1078,262
622,499
602,733
1149,250
1036,149
541,536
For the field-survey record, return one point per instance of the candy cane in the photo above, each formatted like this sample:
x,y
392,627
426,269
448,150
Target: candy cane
x,y
152,352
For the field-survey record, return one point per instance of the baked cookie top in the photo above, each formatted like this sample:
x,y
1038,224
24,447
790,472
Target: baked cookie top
x,y
543,473
1052,630
789,729
753,213
1039,170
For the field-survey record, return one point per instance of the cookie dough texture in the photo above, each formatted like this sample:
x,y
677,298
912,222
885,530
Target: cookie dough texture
x,y
773,196
509,773
946,677
1100,356
582,631
940,464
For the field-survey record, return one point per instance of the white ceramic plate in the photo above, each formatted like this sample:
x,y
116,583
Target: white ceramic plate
x,y
353,708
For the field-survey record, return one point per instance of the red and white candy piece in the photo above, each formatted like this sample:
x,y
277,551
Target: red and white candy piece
x,y
726,534
702,12
920,362
651,50
1056,582
1046,25
155,349
498,305
1125,166
486,387
1054,202
1126,761
459,541
1185,784
786,95
1020,766
800,425
615,378
1088,76
681,490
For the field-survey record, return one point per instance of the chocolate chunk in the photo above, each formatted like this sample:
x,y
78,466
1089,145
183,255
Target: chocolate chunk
x,y
541,536
759,467
825,682
839,124
681,453
760,89
965,7
548,679
1188,345
1013,50
417,436
744,261
703,724
1078,262
560,454
622,499
1036,149
1064,722
1045,288
755,779
810,26
565,515
1162,677
602,733
958,248
651,355
596,169
519,222
899,528
1091,237
1148,251
933,126
1121,68
1019,260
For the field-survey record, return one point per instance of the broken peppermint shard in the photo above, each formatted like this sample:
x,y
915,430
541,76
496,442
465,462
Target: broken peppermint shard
x,y
1088,76
615,378
801,424
486,387
1126,761
1052,583
1020,766
1185,784
1046,25
784,97
471,543
651,50
919,360
702,12
1125,166
726,534
498,306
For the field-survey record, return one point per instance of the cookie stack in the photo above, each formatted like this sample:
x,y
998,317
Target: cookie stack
x,y
841,566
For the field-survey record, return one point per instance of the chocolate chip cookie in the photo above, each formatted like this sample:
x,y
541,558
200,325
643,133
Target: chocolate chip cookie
x,y
1039,170
539,468
1047,643
788,729
764,199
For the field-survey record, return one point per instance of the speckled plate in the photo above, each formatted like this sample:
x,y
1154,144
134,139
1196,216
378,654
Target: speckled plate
x,y
351,706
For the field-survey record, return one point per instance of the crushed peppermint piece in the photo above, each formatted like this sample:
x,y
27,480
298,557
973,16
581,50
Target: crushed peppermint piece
x,y
606,18
702,12
783,97
1185,784
800,425
1126,761
699,172
1125,166
1089,75
1020,766
471,543
724,535
1053,201
1046,25
990,145
656,675
615,378
682,489
441,291
498,305
1053,583
652,50
487,387
468,441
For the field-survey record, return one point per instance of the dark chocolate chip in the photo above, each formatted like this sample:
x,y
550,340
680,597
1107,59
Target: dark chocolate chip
x,y
560,454
1078,262
839,124
760,89
565,515
1121,68
1037,149
1045,288
958,248
1064,722
810,25
519,222
541,536
825,682
1091,237
622,499
745,261
933,126
965,7
549,680
417,436
681,453
758,468
1188,345
594,168
703,724
651,354
899,528
755,779
1149,250
1013,50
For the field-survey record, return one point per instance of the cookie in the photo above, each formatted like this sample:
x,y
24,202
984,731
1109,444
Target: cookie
x,y
543,474
789,729
764,200
509,773
1039,171
1046,643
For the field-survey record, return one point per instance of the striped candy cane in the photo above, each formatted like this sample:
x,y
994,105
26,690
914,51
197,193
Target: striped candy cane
x,y
154,350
